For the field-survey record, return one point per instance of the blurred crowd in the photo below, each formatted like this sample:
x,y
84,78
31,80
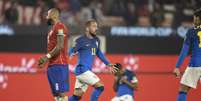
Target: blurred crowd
x,y
166,13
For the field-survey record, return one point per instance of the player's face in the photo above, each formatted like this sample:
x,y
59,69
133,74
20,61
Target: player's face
x,y
119,73
196,20
92,28
49,18
48,15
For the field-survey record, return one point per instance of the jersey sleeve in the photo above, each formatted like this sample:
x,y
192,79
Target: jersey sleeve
x,y
60,30
75,47
187,39
185,49
101,56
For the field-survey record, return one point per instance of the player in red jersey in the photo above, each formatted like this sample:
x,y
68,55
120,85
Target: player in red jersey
x,y
57,70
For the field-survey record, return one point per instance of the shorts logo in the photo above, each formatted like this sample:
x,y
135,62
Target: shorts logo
x,y
57,86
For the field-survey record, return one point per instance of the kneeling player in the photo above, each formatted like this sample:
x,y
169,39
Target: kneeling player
x,y
125,84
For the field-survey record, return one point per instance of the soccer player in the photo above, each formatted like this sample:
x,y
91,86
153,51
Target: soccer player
x,y
87,47
193,72
125,84
57,70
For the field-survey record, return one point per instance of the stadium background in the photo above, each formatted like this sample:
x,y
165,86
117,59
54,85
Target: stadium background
x,y
144,35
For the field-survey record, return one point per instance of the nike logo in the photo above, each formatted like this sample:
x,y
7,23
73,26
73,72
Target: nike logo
x,y
87,45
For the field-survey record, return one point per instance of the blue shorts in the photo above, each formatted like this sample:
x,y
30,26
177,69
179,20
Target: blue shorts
x,y
58,77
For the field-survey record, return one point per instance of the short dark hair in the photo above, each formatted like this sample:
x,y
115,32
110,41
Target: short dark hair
x,y
90,21
118,65
197,13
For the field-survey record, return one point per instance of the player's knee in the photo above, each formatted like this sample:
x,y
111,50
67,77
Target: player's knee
x,y
184,88
98,84
78,92
101,88
59,95
76,97
59,98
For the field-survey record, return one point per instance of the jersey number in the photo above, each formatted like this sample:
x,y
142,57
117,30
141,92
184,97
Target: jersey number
x,y
199,35
93,51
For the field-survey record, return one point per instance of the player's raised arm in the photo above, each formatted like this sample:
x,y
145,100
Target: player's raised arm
x,y
183,53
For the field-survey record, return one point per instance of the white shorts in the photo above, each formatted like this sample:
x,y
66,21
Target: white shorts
x,y
191,77
123,98
85,79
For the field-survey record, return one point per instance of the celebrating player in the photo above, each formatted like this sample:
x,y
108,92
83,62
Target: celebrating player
x,y
87,47
193,72
125,83
57,71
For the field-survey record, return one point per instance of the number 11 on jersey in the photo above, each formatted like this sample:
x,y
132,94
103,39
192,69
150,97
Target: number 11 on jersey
x,y
93,51
199,35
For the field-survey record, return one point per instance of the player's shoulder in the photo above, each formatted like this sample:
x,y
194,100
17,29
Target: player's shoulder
x,y
60,25
97,38
194,28
191,29
80,38
190,32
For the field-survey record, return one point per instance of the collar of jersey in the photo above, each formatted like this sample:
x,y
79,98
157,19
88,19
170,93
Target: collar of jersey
x,y
199,26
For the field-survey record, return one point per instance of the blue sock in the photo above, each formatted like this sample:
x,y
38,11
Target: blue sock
x,y
96,93
181,96
74,98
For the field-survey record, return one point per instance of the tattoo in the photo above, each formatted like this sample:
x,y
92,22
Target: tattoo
x,y
59,45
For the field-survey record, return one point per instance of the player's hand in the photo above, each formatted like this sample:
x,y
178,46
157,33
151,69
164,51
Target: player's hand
x,y
112,68
72,54
41,61
177,72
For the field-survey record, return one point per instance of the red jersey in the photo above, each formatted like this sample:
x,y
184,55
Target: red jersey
x,y
57,29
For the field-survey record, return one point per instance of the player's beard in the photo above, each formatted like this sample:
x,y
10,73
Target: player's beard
x,y
93,34
49,22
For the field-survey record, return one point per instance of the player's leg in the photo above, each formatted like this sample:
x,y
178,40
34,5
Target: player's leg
x,y
98,89
77,95
61,97
89,78
97,84
59,81
79,90
189,80
183,90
